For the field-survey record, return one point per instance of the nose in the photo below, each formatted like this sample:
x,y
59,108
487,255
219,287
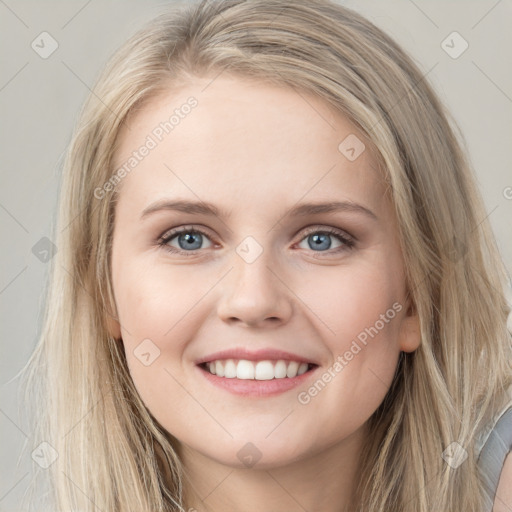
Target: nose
x,y
255,294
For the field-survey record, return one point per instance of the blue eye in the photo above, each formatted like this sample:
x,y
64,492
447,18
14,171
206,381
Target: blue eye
x,y
320,239
190,240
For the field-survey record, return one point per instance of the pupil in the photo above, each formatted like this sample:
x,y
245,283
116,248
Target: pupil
x,y
319,239
190,239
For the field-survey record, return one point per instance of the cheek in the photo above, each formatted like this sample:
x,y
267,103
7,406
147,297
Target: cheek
x,y
151,299
159,311
349,302
358,314
364,360
154,317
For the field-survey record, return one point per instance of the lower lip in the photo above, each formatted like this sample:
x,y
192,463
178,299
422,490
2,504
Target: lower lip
x,y
257,388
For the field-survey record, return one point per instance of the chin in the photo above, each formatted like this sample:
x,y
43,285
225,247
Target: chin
x,y
257,455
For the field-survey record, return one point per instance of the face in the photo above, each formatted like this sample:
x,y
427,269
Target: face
x,y
325,288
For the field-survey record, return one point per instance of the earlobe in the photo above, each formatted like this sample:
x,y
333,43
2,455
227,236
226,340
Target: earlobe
x,y
113,327
410,337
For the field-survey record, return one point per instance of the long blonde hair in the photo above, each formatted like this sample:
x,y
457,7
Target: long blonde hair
x,y
112,453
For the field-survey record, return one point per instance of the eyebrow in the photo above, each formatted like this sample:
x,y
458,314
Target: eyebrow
x,y
205,208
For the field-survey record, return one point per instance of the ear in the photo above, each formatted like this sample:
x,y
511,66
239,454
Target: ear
x,y
113,327
409,337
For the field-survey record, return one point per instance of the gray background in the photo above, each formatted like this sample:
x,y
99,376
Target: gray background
x,y
40,99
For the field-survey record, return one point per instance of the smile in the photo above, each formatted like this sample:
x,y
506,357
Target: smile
x,y
256,379
256,370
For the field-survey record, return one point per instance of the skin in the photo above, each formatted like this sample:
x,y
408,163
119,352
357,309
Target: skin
x,y
503,500
256,150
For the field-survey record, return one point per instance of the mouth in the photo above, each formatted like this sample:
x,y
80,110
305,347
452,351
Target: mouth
x,y
256,378
256,370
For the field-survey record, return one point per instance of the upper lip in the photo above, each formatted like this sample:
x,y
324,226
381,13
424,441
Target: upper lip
x,y
255,355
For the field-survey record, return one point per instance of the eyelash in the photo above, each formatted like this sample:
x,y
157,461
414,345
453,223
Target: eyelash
x,y
348,243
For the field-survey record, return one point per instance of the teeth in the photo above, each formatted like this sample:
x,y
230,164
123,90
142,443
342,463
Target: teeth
x,y
245,370
219,368
230,369
303,368
264,370
260,370
280,369
292,369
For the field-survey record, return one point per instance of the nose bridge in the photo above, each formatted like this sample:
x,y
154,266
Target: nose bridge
x,y
253,291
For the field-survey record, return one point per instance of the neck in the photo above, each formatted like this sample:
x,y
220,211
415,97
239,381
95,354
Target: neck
x,y
323,481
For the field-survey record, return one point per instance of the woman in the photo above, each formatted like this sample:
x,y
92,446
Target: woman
x,y
259,371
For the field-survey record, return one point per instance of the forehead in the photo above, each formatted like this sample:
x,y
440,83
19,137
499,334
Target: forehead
x,y
232,139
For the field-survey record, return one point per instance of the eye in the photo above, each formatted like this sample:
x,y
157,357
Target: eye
x,y
318,238
190,239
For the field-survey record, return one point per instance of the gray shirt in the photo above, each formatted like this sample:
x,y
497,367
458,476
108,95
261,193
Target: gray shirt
x,y
493,447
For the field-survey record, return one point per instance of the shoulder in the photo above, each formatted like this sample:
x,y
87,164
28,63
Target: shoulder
x,y
503,498
494,450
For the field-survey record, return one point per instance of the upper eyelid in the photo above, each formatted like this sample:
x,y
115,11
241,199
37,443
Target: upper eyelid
x,y
179,229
